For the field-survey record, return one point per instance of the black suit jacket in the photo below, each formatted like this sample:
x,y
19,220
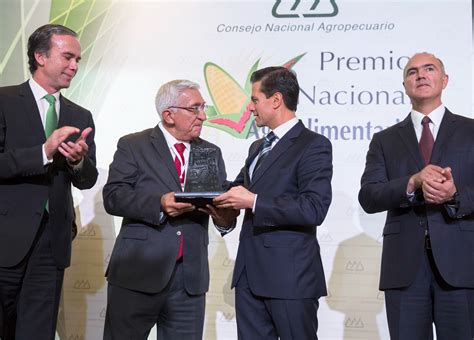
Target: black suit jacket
x,y
145,251
392,158
26,184
278,246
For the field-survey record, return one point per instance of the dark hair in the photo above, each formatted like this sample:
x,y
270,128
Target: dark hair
x,y
278,79
40,41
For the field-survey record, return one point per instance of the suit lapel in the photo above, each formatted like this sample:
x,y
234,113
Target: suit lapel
x,y
253,153
65,114
446,130
31,113
159,143
278,150
408,136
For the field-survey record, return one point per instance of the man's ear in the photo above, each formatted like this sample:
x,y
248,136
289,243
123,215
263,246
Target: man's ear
x,y
277,100
167,117
445,81
39,57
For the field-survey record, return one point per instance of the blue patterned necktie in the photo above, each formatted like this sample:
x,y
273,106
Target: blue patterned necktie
x,y
265,149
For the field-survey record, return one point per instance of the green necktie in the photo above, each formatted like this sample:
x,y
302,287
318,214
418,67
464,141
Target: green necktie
x,y
51,122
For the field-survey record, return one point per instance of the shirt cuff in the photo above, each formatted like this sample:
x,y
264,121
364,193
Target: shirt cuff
x,y
254,204
162,217
226,230
46,161
411,196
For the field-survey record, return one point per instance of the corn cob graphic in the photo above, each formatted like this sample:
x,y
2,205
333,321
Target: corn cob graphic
x,y
227,95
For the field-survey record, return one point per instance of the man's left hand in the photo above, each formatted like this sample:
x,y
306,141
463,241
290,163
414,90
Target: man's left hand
x,y
222,217
75,151
438,193
236,198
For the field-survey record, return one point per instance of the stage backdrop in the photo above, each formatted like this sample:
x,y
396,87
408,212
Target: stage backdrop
x,y
348,56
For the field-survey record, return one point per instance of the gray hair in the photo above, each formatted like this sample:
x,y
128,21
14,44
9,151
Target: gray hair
x,y
443,70
168,93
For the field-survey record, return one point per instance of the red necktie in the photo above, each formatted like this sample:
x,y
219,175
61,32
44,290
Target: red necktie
x,y
179,164
179,161
426,140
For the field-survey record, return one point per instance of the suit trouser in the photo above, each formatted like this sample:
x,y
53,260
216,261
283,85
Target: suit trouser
x,y
30,292
411,311
132,314
262,318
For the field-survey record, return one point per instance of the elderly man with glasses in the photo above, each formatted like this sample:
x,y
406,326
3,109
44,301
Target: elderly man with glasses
x,y
158,271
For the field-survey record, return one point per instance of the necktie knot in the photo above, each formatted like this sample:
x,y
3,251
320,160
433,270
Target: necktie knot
x,y
425,121
268,140
180,147
50,99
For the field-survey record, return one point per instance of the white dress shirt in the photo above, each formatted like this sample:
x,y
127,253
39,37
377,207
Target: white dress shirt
x,y
436,116
171,141
43,105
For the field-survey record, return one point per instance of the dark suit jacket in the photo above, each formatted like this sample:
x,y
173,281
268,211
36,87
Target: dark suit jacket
x,y
26,184
278,246
392,158
145,251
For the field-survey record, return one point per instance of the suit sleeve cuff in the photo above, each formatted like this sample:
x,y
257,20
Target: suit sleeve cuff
x,y
76,167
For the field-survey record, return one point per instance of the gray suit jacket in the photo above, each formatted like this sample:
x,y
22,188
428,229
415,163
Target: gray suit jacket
x,y
145,251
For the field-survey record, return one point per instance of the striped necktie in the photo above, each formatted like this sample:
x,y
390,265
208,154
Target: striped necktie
x,y
265,149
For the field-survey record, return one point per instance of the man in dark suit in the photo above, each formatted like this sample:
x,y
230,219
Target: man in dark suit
x,y
285,189
421,172
158,271
46,144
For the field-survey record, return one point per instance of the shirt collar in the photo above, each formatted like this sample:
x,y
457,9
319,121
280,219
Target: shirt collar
x,y
170,139
39,92
281,130
436,116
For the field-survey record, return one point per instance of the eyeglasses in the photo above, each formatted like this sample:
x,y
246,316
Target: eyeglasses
x,y
194,109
